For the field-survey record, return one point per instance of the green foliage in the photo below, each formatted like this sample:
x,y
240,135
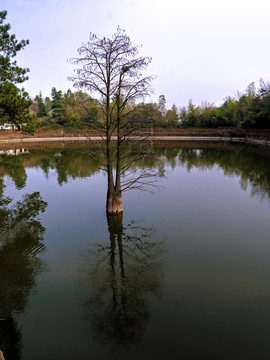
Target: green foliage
x,y
81,110
263,118
228,111
14,104
248,110
58,106
172,117
150,110
41,112
32,124
190,116
77,110
9,46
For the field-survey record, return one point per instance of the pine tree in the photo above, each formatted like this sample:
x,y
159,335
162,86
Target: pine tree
x,y
9,46
58,106
41,105
14,102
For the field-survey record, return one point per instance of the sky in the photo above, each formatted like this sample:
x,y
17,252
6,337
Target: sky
x,y
204,50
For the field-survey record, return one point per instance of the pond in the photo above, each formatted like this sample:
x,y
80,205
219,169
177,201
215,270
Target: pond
x,y
185,271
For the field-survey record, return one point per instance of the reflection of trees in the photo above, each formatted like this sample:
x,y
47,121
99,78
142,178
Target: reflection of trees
x,y
21,235
251,168
127,272
70,162
73,162
14,167
10,339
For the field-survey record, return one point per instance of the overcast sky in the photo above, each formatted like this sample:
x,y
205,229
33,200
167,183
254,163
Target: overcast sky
x,y
202,50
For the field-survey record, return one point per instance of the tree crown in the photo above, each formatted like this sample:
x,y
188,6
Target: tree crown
x,y
110,67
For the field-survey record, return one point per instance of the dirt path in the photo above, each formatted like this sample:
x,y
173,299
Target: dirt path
x,y
28,140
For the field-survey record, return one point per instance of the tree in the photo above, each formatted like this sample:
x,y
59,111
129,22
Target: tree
x,y
81,109
41,112
190,116
228,111
48,105
112,72
150,111
263,120
172,117
248,108
162,104
9,46
14,102
58,106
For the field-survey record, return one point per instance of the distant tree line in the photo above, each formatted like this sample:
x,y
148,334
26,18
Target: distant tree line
x,y
248,110
73,110
76,110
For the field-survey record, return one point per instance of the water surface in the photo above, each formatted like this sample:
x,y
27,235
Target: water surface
x,y
185,271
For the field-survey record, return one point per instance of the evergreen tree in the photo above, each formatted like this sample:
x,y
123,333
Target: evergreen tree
x,y
58,106
41,112
9,46
14,102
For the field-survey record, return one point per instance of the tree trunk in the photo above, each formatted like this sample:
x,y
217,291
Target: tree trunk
x,y
114,204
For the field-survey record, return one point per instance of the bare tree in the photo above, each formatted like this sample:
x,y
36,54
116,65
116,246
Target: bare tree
x,y
111,70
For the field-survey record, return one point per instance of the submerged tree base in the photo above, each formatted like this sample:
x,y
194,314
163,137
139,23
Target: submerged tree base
x,y
114,204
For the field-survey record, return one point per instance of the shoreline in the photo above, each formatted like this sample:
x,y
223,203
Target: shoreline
x,y
32,140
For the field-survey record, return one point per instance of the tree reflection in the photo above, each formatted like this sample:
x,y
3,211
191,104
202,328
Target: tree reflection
x,y
251,167
14,167
69,162
253,170
127,273
248,163
21,243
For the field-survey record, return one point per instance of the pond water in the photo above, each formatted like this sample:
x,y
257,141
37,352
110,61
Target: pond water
x,y
186,271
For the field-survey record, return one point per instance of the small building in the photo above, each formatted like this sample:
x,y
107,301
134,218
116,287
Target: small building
x,y
7,126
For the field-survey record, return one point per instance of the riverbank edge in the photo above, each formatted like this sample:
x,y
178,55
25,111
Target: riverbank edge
x,y
31,140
